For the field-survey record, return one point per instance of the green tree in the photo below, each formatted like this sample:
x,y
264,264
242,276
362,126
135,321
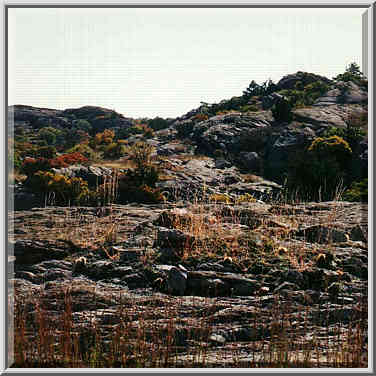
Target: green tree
x,y
49,135
353,74
83,125
158,123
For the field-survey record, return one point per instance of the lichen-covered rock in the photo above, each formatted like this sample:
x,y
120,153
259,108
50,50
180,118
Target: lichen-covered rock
x,y
344,93
289,81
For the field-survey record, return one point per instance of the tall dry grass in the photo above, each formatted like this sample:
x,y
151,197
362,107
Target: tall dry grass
x,y
43,340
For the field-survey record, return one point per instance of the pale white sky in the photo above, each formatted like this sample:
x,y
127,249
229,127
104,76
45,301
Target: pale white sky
x,y
149,62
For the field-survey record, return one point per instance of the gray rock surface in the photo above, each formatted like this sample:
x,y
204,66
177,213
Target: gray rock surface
x,y
214,297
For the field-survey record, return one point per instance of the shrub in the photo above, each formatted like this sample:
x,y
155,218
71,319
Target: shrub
x,y
49,135
249,108
104,138
83,125
184,128
143,194
282,110
318,172
138,184
63,189
48,152
66,160
73,137
158,123
32,165
358,191
246,197
147,175
148,132
352,135
253,89
220,197
140,153
84,150
200,117
331,146
353,74
114,150
313,91
25,149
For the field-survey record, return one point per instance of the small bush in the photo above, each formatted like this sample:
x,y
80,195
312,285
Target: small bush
x,y
138,184
83,149
48,152
83,125
331,146
352,135
140,153
249,108
32,165
64,190
184,128
282,111
114,150
66,160
49,135
358,192
318,172
132,189
148,195
158,123
200,117
353,74
221,198
104,138
245,198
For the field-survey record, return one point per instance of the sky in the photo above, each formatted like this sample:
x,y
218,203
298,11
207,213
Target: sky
x,y
147,62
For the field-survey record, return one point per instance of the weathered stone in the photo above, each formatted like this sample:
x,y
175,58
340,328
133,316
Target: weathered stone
x,y
217,339
289,81
94,176
177,280
344,93
357,234
251,161
322,234
32,252
222,163
172,238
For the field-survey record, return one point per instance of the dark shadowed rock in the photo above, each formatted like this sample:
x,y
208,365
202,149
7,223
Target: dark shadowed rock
x,y
177,280
251,161
323,234
32,252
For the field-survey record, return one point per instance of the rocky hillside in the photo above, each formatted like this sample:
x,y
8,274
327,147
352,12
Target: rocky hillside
x,y
207,240
260,132
197,286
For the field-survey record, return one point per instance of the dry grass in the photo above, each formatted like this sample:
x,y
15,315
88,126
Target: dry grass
x,y
42,340
116,164
136,341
